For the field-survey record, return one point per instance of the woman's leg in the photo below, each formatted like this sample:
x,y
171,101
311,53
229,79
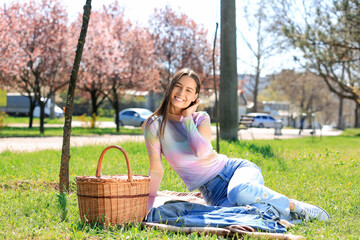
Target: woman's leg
x,y
247,186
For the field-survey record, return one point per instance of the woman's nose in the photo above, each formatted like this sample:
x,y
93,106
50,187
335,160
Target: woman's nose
x,y
181,92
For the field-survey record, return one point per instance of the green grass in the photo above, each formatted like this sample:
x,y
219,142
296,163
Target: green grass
x,y
352,132
320,171
58,131
25,120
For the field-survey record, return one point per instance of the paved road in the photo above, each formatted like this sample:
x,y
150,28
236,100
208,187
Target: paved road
x,y
41,143
269,133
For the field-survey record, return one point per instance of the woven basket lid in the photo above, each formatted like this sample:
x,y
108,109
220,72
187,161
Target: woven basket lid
x,y
112,178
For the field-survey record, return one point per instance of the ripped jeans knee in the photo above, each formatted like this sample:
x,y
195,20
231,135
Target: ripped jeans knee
x,y
247,193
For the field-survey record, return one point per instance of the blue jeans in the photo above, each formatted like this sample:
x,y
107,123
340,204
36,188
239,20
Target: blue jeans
x,y
186,214
241,183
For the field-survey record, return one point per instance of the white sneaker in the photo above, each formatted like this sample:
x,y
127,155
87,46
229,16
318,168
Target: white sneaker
x,y
308,212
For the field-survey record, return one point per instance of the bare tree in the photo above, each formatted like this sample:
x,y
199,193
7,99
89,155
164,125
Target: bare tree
x,y
263,46
305,91
328,37
65,156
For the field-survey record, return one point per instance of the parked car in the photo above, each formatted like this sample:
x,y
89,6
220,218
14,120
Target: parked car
x,y
19,105
263,120
133,116
59,113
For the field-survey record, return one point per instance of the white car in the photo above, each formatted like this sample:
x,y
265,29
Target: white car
x,y
59,113
263,120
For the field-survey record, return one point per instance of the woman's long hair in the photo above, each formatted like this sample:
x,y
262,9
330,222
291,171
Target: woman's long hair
x,y
163,109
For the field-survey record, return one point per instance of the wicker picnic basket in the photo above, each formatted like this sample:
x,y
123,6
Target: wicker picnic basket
x,y
115,199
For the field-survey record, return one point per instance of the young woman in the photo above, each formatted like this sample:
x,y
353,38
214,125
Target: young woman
x,y
183,136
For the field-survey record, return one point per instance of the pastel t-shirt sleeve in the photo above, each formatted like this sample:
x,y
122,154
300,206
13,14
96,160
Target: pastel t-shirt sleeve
x,y
203,119
153,147
198,144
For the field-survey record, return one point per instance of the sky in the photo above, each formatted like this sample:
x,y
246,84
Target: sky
x,y
204,12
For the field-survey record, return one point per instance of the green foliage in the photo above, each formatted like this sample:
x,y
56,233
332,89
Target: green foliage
x,y
319,171
62,199
3,118
326,38
352,132
86,122
106,112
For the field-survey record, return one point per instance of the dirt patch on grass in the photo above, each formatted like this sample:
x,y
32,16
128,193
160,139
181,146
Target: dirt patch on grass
x,y
30,184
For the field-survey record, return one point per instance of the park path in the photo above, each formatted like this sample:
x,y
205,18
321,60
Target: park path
x,y
29,144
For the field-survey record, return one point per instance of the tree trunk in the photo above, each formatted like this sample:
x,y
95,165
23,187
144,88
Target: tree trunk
x,y
151,104
340,124
94,109
228,99
31,111
93,102
42,116
52,106
256,87
65,156
357,115
116,108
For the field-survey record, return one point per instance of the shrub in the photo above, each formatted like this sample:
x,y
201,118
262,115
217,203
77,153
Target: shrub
x,y
3,117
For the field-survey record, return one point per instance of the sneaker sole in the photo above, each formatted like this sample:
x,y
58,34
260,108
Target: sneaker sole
x,y
327,215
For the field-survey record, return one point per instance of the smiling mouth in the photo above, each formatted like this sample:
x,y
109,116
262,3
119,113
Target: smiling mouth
x,y
179,99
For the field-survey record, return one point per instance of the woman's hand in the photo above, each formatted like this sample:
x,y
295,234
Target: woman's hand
x,y
190,110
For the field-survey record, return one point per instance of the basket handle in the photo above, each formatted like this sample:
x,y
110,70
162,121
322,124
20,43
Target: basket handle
x,y
98,170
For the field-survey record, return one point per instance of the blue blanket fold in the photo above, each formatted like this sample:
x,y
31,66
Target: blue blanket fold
x,y
186,214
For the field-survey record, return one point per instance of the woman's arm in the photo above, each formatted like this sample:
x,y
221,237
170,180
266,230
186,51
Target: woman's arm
x,y
153,148
199,137
156,173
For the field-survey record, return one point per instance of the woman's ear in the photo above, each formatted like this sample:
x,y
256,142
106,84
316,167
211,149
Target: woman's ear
x,y
196,97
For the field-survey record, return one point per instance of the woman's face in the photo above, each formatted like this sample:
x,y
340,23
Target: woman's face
x,y
183,93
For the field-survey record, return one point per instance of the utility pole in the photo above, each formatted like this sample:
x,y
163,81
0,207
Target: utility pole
x,y
228,99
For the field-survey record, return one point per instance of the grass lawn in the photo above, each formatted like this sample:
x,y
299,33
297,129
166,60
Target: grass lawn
x,y
54,130
25,120
323,171
58,131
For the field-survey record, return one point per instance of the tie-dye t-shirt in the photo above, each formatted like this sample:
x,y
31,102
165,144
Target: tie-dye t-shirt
x,y
188,153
